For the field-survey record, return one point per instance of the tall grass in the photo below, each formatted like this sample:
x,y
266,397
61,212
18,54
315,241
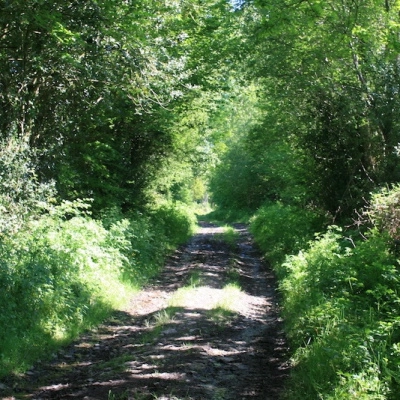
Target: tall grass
x,y
64,272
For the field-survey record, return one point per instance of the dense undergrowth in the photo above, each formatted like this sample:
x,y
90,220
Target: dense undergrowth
x,y
64,271
341,296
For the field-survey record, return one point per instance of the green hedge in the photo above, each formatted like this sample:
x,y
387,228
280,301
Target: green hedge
x,y
340,300
283,229
65,271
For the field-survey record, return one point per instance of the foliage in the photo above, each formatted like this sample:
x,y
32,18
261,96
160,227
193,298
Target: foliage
x,y
282,229
21,194
97,88
236,166
330,72
263,160
289,110
234,162
383,211
340,304
230,236
64,271
175,222
105,101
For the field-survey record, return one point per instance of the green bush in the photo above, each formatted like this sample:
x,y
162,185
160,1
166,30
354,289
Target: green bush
x,y
282,229
56,278
174,221
384,211
341,309
22,195
229,215
65,271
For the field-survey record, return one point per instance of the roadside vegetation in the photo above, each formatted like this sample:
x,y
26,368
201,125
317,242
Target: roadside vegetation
x,y
64,272
103,139
340,294
62,269
316,172
119,119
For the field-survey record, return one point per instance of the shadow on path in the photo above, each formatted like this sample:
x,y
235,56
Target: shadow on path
x,y
197,349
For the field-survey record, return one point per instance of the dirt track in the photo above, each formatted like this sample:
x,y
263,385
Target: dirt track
x,y
206,341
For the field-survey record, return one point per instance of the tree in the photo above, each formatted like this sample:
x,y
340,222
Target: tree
x,y
333,67
95,87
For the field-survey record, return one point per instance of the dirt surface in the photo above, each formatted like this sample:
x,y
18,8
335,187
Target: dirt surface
x,y
188,335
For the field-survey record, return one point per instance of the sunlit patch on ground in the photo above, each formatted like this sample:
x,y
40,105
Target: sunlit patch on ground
x,y
193,334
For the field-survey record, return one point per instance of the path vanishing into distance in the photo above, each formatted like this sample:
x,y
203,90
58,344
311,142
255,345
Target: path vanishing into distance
x,y
206,328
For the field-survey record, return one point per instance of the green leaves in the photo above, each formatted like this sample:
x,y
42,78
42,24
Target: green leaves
x,y
22,195
63,272
340,301
329,70
97,87
383,211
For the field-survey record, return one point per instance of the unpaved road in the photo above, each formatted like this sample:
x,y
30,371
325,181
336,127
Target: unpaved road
x,y
188,335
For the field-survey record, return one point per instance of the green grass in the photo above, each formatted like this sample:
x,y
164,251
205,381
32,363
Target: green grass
x,y
221,216
116,364
193,279
120,396
225,310
221,315
164,316
340,302
230,299
229,236
233,272
157,322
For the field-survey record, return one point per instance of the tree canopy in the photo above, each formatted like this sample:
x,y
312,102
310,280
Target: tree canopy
x,y
97,88
124,102
115,113
328,79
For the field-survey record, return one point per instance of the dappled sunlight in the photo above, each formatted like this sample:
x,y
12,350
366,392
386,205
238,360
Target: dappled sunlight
x,y
192,334
207,298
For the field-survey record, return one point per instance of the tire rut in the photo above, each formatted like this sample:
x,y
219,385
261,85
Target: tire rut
x,y
187,335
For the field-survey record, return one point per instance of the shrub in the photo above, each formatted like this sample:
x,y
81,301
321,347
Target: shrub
x,y
65,271
21,193
341,309
384,211
174,221
282,229
57,278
